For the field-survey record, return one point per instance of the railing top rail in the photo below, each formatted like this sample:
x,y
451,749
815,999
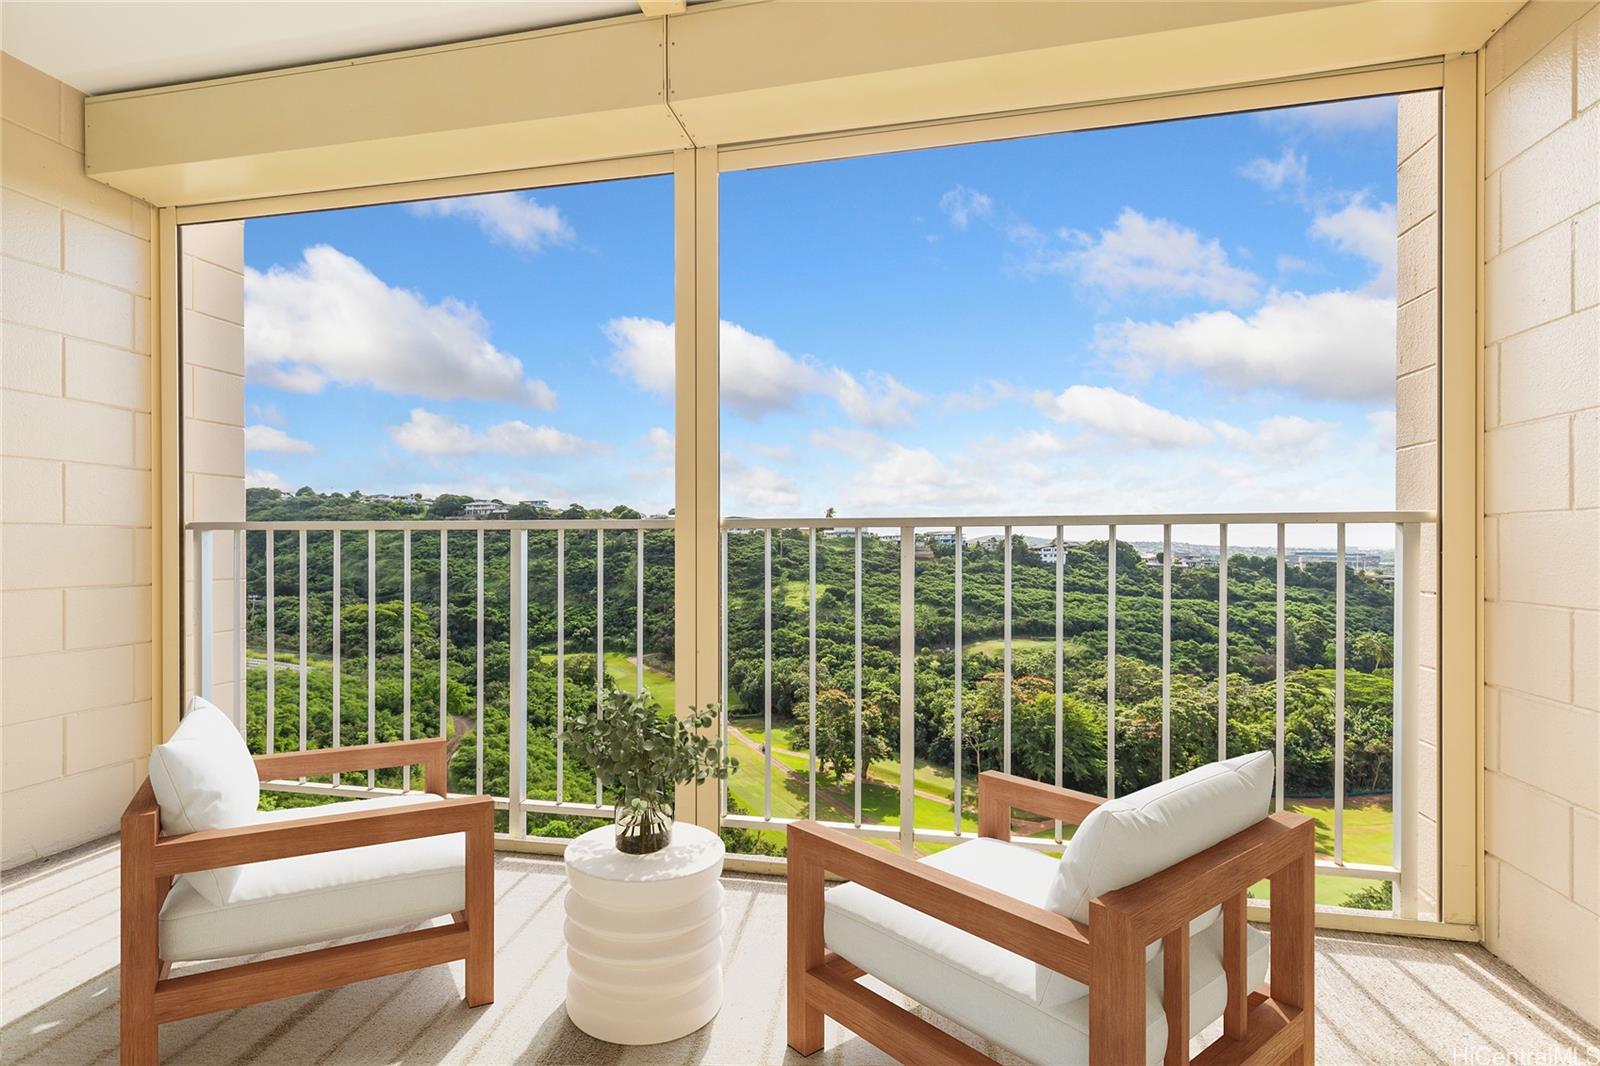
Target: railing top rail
x,y
1241,518
923,522
613,524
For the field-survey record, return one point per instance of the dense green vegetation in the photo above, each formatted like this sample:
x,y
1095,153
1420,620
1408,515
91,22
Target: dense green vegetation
x,y
1309,653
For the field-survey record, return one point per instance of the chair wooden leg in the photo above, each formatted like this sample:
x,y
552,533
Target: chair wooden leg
x,y
480,913
140,964
805,952
1116,989
1294,947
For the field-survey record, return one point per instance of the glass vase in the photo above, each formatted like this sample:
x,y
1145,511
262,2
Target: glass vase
x,y
643,823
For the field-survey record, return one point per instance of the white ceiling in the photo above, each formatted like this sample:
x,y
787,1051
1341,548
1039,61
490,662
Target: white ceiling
x,y
100,47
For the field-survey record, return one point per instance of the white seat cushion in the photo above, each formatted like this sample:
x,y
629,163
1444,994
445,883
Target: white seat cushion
x,y
990,990
307,898
204,778
1132,837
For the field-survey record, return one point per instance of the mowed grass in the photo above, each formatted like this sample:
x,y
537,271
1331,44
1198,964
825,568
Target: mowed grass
x,y
621,671
1368,839
880,802
930,778
997,647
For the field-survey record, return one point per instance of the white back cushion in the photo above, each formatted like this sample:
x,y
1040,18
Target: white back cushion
x,y
1133,837
204,778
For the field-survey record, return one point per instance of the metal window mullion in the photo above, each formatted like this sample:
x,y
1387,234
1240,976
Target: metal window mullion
x,y
518,697
766,671
1166,652
1338,704
1111,662
1277,714
1005,696
1222,643
908,683
372,646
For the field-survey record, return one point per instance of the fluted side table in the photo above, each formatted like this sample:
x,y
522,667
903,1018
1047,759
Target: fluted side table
x,y
644,936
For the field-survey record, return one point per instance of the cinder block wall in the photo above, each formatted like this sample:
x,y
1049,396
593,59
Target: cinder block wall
x,y
75,452
211,272
1416,439
1541,493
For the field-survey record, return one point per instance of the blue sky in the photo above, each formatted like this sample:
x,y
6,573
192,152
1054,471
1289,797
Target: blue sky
x,y
1193,315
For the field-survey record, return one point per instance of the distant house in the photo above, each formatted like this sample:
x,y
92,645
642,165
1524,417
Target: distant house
x,y
482,509
1046,553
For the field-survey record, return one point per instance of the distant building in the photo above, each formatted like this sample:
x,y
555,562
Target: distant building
x,y
946,539
482,509
543,505
1047,553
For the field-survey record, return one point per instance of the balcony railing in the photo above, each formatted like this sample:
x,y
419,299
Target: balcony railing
x,y
566,617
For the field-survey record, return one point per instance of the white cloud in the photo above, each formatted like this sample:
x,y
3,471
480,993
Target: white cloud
x,y
1367,231
1155,255
331,320
429,433
1381,428
512,218
264,479
1287,171
1288,437
1127,418
660,444
260,438
1342,116
961,205
758,376
1331,345
756,489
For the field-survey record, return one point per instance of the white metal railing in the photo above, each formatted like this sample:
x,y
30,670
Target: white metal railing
x,y
1407,526
517,802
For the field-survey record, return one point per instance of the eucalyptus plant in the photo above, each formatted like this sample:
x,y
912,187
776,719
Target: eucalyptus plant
x,y
641,752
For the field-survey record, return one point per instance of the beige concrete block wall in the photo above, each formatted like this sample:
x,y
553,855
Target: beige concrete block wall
x,y
1541,525
75,479
211,273
1417,441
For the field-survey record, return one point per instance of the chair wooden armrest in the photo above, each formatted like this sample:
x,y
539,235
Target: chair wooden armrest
x,y
1034,933
999,794
431,755
334,831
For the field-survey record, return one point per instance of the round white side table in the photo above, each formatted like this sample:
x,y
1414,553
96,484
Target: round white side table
x,y
644,936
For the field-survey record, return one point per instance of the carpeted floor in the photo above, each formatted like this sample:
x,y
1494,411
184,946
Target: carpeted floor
x,y
1381,999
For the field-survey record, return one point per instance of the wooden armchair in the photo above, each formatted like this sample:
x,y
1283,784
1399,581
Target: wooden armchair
x,y
1108,954
151,861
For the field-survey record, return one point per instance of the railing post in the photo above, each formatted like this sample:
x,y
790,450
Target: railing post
x,y
1406,645
908,689
205,621
519,683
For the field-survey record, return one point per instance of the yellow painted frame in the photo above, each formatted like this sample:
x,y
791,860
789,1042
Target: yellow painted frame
x,y
698,543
